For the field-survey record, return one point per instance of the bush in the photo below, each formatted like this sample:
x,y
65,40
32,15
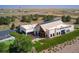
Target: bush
x,y
4,46
5,20
12,26
48,18
26,18
22,43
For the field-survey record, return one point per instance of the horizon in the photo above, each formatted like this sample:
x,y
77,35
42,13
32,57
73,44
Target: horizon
x,y
40,6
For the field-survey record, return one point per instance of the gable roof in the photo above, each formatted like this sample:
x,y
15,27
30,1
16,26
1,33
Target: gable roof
x,y
53,25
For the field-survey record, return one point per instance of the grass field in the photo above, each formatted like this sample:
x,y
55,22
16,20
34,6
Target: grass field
x,y
47,43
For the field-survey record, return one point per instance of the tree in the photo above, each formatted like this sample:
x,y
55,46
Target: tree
x,y
13,26
5,20
13,18
48,18
77,21
34,17
2,47
1,20
63,18
26,18
66,18
22,43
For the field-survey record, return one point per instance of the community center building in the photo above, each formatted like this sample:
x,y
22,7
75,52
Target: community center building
x,y
49,30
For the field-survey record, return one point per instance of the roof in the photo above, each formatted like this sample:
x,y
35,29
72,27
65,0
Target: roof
x,y
27,27
53,25
5,34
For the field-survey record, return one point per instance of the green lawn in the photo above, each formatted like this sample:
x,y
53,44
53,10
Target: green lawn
x,y
47,43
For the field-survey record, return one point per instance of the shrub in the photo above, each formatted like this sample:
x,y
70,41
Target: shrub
x,y
12,26
22,43
5,20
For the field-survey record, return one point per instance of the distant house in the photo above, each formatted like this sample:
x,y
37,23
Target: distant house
x,y
50,29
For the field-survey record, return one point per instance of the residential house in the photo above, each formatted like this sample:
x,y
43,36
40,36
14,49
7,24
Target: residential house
x,y
49,30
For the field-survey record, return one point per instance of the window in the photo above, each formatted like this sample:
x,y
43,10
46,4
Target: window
x,y
53,34
57,33
50,35
68,30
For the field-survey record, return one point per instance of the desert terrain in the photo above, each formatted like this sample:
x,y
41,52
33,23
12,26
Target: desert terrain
x,y
74,13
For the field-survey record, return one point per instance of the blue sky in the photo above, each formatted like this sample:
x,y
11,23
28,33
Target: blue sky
x,y
39,6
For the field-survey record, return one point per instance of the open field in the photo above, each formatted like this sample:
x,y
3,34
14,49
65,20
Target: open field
x,y
57,12
74,13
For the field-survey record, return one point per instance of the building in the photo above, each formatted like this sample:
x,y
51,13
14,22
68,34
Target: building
x,y
27,29
55,28
50,29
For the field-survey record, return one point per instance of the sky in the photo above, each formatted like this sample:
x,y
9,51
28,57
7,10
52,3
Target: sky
x,y
39,6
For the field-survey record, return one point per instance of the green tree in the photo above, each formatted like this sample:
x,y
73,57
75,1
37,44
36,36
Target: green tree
x,y
26,18
34,17
1,20
13,18
4,46
5,20
66,18
48,17
63,18
22,43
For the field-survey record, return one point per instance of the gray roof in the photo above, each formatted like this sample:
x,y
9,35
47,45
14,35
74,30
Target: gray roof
x,y
5,34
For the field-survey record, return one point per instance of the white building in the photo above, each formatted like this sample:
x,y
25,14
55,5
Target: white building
x,y
55,28
27,28
50,30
